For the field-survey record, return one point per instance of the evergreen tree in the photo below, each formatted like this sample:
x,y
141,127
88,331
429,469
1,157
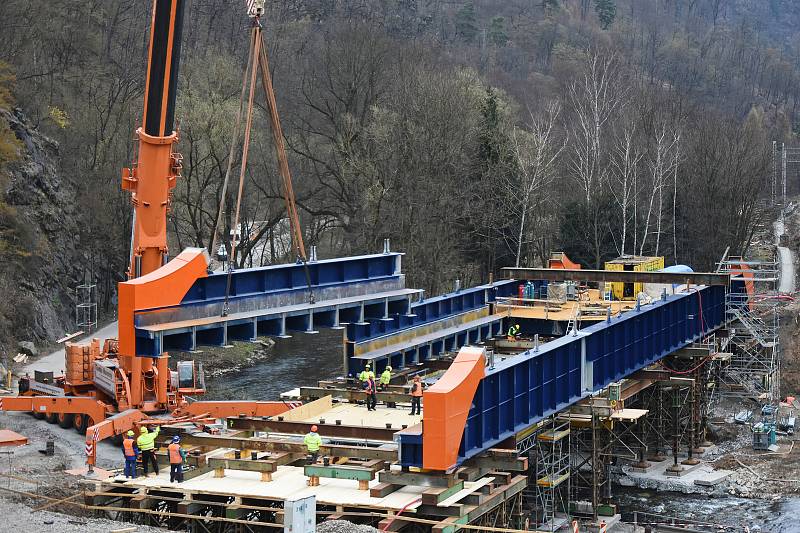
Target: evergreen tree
x,y
497,31
606,11
466,25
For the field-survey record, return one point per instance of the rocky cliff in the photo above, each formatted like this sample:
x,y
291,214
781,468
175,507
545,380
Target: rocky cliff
x,y
40,265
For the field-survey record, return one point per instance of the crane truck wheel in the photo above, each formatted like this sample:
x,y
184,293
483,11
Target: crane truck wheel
x,y
39,416
80,422
116,440
52,418
65,420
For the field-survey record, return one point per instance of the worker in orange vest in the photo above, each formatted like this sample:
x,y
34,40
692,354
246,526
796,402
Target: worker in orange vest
x,y
372,397
131,452
176,458
416,396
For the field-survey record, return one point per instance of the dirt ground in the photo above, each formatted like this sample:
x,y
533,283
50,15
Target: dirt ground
x,y
30,480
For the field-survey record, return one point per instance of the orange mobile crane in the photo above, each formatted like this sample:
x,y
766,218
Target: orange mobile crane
x,y
105,392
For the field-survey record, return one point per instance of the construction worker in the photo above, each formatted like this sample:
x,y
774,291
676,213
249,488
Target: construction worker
x,y
131,453
416,396
313,441
386,377
366,373
176,457
147,445
372,394
513,332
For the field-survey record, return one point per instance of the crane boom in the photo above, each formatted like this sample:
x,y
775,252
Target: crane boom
x,y
158,166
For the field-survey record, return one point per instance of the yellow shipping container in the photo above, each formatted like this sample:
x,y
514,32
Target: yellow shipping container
x,y
628,291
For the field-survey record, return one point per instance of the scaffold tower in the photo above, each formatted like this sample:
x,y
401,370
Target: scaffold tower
x,y
552,455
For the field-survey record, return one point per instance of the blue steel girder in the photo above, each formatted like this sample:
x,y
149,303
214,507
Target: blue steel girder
x,y
257,291
524,389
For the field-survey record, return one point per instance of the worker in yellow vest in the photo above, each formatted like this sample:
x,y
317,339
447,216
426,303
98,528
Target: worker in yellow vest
x,y
513,332
366,374
176,457
386,378
131,452
147,445
313,441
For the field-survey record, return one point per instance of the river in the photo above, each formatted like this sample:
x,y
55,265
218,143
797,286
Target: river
x,y
302,359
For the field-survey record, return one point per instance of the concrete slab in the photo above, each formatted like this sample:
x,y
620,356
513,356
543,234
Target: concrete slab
x,y
657,478
713,478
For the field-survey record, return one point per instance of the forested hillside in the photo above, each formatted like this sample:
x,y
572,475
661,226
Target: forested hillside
x,y
474,134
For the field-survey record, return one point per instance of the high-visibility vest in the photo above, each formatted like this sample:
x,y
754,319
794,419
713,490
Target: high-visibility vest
x,y
386,377
312,441
127,446
416,388
513,330
175,456
146,441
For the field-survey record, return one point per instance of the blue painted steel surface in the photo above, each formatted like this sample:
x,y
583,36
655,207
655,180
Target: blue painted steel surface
x,y
276,278
429,310
266,288
522,390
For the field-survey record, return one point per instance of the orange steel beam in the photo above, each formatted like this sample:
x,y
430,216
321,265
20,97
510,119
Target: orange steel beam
x,y
164,287
225,409
447,404
115,425
94,409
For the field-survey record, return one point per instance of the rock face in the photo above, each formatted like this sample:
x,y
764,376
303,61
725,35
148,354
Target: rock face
x,y
39,263
28,348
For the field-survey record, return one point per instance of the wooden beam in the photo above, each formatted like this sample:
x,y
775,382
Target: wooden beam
x,y
436,495
418,479
513,464
383,489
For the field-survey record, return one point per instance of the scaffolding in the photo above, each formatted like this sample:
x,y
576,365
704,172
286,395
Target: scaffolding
x,y
552,472
753,320
86,308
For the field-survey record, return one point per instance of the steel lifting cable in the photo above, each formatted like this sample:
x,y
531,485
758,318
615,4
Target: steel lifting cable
x,y
234,143
256,41
283,168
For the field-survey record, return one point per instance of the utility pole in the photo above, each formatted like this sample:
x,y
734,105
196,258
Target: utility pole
x,y
774,170
783,171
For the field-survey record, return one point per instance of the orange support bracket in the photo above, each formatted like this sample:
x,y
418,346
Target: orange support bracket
x,y
447,404
161,288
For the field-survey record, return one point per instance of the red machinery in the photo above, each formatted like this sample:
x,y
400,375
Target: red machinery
x,y
107,391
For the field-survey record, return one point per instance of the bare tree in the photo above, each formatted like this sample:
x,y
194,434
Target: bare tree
x,y
661,169
536,153
625,167
596,98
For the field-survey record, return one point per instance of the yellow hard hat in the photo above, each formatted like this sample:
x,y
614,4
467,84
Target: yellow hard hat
x,y
389,368
130,433
143,430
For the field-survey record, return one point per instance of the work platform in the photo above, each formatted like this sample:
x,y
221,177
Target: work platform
x,y
589,307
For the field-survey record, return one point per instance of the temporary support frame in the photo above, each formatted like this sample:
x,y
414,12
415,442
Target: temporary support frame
x,y
752,320
552,475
